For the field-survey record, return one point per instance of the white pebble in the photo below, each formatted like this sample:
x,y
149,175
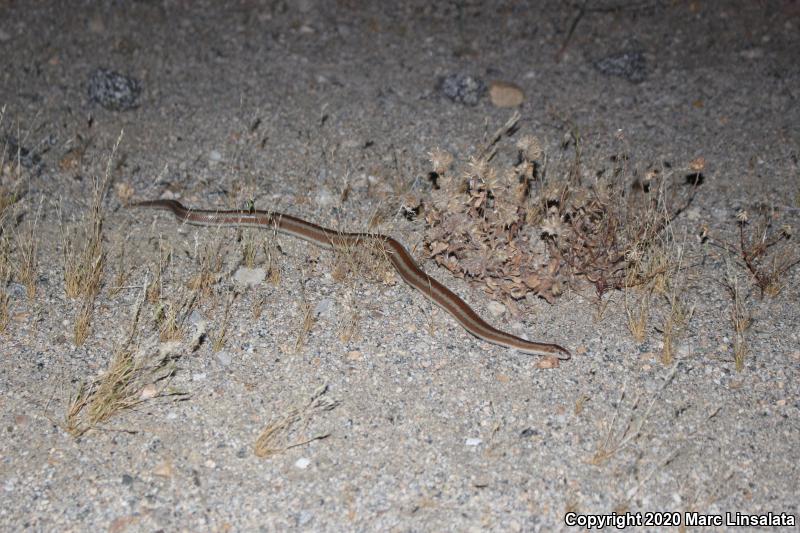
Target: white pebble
x,y
249,276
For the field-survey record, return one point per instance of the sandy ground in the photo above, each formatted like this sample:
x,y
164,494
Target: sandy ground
x,y
429,429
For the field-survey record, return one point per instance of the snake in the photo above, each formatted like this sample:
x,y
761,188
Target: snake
x,y
400,259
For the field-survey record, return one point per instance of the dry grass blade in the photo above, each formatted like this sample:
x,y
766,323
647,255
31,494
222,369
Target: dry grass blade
x,y
274,438
740,317
28,246
222,337
617,440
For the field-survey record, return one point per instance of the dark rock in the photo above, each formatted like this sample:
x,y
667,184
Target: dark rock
x,y
629,65
113,90
463,89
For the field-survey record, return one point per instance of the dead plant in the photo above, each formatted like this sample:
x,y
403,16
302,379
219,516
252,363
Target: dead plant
x,y
519,231
274,438
763,248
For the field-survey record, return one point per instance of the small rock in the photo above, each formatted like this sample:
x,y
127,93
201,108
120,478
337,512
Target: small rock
x,y
324,307
302,463
113,90
166,349
463,89
354,355
196,317
16,290
165,469
547,362
629,65
324,198
214,156
496,308
224,358
752,53
304,517
148,391
473,441
505,94
250,276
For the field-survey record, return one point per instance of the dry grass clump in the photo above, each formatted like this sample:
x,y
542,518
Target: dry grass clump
x,y
84,255
519,230
740,317
130,379
18,231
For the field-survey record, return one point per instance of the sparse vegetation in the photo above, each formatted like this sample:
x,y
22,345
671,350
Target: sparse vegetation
x,y
765,250
307,317
740,317
274,438
221,338
84,255
28,247
130,379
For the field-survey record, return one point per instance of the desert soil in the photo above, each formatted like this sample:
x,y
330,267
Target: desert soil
x,y
328,110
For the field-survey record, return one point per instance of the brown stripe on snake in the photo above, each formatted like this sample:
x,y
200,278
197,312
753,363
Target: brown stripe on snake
x,y
398,256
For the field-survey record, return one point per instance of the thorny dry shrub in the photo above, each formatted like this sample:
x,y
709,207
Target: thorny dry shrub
x,y
518,229
763,246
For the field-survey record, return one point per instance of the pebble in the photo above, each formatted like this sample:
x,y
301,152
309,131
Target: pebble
x,y
249,276
505,94
214,156
630,65
473,441
148,391
496,308
224,358
463,88
196,317
302,463
165,469
323,198
113,91
16,290
324,307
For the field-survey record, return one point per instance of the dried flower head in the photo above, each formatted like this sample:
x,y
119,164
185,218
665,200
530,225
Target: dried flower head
x,y
742,216
530,147
476,166
551,227
440,160
697,164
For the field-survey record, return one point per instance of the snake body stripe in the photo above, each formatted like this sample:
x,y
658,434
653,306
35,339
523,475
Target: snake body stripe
x,y
398,256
